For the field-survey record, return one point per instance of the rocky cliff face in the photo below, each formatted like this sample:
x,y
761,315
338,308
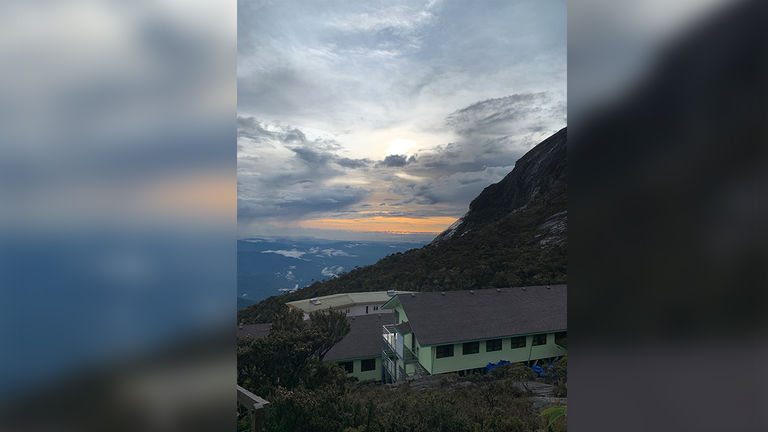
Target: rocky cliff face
x,y
539,174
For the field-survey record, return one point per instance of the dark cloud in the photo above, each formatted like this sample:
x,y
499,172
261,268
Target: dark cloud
x,y
393,161
493,135
514,114
353,163
300,203
282,173
367,67
311,156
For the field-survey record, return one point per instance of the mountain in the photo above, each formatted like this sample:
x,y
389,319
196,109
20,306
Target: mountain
x,y
513,234
539,175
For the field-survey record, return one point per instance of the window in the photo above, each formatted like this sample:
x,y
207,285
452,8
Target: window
x,y
470,348
444,351
368,365
375,308
366,309
348,366
561,338
493,345
518,342
539,339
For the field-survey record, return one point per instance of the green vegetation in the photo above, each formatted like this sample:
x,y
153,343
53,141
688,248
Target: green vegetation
x,y
475,403
513,235
555,413
307,394
291,355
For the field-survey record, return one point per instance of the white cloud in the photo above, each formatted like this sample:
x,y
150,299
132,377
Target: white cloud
x,y
331,271
334,252
293,253
327,91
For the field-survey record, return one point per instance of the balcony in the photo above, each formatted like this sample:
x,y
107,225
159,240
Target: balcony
x,y
393,343
395,372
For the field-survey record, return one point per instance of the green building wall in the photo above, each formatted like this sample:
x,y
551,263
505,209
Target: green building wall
x,y
460,361
357,369
428,360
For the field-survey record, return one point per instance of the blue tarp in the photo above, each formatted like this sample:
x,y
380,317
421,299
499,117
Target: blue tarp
x,y
491,366
538,369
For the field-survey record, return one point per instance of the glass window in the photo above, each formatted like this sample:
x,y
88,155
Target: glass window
x,y
518,342
493,345
561,338
444,351
470,348
347,365
368,365
539,339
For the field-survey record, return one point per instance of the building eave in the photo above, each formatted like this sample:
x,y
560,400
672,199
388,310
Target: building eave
x,y
490,338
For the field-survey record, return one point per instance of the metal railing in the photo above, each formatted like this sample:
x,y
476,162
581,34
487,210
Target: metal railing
x,y
390,337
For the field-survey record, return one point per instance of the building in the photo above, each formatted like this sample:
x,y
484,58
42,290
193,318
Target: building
x,y
353,304
461,331
360,350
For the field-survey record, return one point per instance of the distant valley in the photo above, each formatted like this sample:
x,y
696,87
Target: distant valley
x,y
267,267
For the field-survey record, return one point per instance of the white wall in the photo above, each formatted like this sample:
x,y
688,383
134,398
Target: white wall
x,y
358,310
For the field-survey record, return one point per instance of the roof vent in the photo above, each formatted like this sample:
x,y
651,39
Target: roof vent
x,y
549,287
315,301
442,293
413,294
379,315
498,289
524,288
471,291
391,293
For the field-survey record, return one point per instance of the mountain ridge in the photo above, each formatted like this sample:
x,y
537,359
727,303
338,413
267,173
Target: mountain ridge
x,y
523,184
513,234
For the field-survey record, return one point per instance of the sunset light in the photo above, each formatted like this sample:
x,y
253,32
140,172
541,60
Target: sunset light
x,y
399,147
383,224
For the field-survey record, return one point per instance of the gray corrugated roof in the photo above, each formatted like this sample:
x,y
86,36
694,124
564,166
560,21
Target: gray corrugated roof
x,y
257,331
363,340
403,328
335,301
457,316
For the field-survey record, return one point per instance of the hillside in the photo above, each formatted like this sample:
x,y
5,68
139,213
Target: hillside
x,y
515,233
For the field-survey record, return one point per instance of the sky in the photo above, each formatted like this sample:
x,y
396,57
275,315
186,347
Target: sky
x,y
383,119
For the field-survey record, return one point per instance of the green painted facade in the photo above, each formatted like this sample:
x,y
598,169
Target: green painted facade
x,y
357,369
427,355
460,361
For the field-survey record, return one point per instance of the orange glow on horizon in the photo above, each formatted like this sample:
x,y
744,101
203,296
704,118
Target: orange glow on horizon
x,y
399,225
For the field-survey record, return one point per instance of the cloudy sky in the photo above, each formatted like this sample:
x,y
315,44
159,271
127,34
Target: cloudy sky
x,y
382,120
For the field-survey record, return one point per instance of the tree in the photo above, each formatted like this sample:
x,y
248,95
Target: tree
x,y
288,320
331,326
291,354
